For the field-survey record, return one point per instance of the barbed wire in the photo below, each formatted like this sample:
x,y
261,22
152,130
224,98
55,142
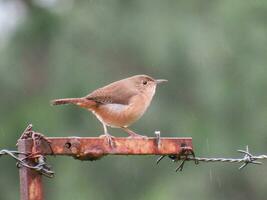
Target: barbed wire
x,y
42,167
40,164
248,158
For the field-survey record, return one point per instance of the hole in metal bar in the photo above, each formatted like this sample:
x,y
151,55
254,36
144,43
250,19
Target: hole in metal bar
x,y
68,145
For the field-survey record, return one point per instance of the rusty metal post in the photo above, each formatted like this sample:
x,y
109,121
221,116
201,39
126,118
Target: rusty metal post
x,y
31,187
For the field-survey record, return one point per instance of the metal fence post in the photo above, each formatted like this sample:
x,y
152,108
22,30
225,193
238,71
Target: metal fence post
x,y
31,187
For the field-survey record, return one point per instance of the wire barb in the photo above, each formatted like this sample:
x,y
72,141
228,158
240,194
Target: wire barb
x,y
186,154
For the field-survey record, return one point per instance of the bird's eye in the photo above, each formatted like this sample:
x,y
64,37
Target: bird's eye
x,y
144,82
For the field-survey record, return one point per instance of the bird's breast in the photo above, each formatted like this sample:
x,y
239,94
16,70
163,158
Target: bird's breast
x,y
118,115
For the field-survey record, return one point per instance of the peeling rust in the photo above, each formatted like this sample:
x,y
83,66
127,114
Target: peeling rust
x,y
34,189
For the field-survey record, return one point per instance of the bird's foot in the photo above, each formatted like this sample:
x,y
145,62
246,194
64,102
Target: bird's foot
x,y
109,139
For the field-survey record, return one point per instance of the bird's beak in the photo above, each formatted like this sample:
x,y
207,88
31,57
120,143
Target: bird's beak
x,y
161,81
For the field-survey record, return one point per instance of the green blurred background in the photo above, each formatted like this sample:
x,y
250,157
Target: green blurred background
x,y
214,54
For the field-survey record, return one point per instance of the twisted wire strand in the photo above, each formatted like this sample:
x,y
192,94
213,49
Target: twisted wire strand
x,y
231,160
41,166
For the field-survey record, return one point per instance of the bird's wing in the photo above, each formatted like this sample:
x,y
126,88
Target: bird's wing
x,y
113,93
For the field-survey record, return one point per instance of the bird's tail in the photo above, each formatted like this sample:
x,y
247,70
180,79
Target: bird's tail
x,y
75,101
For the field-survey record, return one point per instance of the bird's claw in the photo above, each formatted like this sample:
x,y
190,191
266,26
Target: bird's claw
x,y
109,139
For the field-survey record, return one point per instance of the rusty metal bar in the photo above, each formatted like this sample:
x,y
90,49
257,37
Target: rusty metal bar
x,y
90,148
87,148
31,187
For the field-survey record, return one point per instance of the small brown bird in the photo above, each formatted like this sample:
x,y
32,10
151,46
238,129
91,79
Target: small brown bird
x,y
118,104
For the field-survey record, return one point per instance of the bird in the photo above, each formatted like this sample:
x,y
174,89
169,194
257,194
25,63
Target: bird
x,y
118,104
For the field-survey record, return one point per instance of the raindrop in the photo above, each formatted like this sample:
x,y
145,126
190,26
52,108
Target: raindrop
x,y
208,145
211,175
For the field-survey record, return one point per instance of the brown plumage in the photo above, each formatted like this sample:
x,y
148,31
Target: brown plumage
x,y
118,104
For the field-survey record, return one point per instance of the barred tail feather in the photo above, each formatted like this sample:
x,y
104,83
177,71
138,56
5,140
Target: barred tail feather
x,y
82,102
66,101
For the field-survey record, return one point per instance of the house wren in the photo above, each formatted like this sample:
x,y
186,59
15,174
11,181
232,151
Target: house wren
x,y
118,104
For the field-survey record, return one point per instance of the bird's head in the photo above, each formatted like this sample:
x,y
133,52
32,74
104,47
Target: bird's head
x,y
146,84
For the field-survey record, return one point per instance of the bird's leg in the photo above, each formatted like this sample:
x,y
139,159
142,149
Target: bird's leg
x,y
108,136
132,133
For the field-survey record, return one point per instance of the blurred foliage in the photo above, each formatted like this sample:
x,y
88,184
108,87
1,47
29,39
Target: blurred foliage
x,y
212,52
